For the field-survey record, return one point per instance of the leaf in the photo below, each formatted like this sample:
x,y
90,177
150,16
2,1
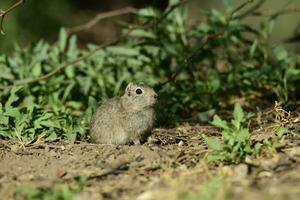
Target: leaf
x,y
213,143
281,53
217,16
213,81
68,90
217,121
12,112
72,47
281,131
238,116
242,135
125,51
148,12
71,137
142,33
44,117
4,120
253,48
173,2
52,137
74,104
62,39
257,147
6,72
70,72
50,123
13,97
134,62
36,70
204,27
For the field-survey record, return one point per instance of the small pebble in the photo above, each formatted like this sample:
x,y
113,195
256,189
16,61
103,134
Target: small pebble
x,y
180,143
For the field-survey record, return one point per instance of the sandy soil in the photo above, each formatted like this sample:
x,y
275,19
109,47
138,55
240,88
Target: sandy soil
x,y
169,165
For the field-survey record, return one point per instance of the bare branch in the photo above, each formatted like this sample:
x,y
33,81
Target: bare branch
x,y
171,9
3,13
280,12
101,16
252,9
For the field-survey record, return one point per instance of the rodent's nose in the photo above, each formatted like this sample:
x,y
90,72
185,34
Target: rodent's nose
x,y
155,96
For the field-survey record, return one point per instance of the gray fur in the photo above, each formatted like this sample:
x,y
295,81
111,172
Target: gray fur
x,y
126,119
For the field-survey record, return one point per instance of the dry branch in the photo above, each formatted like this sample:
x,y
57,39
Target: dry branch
x,y
280,12
3,13
251,10
92,22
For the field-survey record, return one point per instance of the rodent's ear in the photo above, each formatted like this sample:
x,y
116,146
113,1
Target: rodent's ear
x,y
128,89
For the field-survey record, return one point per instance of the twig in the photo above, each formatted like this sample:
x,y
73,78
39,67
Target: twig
x,y
238,8
3,13
116,169
171,9
101,16
281,12
251,10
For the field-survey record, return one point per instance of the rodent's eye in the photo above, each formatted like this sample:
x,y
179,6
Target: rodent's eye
x,y
138,91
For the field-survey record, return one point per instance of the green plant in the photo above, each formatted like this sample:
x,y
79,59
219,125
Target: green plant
x,y
210,190
29,120
63,192
236,138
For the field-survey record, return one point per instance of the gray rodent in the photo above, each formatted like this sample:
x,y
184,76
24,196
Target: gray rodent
x,y
126,119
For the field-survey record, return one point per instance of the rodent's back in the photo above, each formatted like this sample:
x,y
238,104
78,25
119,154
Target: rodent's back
x,y
105,120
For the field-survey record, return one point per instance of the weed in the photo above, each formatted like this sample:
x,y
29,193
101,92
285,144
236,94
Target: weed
x,y
64,192
236,138
282,123
210,190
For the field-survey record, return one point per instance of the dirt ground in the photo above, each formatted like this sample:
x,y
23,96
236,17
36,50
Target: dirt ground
x,y
169,165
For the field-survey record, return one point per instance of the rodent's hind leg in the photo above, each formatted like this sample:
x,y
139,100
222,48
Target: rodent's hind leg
x,y
144,138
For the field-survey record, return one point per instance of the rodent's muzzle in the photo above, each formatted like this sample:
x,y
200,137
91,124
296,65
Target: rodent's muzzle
x,y
154,99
